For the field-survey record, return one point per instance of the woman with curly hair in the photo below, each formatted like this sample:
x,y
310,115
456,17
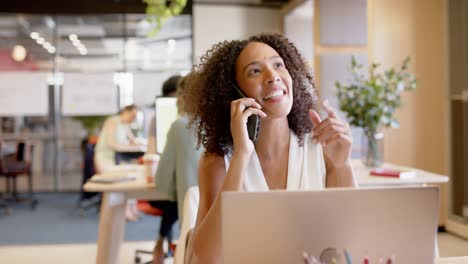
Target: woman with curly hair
x,y
295,148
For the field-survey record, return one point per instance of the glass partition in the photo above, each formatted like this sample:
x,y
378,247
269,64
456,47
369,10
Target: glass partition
x,y
58,70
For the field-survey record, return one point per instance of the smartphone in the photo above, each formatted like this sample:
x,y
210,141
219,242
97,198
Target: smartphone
x,y
253,122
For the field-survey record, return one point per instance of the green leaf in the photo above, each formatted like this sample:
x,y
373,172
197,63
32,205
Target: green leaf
x,y
370,101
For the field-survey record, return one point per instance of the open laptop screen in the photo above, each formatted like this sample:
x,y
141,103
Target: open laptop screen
x,y
166,114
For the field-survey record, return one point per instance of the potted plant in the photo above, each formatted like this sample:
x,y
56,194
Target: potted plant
x,y
370,100
91,124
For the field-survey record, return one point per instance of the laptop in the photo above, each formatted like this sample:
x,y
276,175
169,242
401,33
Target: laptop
x,y
391,225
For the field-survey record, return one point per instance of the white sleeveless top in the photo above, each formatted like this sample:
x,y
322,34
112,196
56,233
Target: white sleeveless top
x,y
306,168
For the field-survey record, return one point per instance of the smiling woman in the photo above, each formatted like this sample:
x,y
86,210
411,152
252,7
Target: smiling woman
x,y
295,149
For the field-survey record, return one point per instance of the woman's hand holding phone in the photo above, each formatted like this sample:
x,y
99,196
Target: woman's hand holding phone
x,y
241,109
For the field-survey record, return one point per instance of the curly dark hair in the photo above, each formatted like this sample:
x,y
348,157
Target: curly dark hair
x,y
211,91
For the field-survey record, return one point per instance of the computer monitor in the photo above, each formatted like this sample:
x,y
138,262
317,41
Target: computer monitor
x,y
166,114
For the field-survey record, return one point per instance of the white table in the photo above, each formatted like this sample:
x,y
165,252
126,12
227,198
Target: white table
x,y
421,178
112,214
452,260
364,179
115,196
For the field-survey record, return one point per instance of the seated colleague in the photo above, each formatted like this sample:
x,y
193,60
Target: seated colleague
x,y
169,89
116,136
295,149
176,172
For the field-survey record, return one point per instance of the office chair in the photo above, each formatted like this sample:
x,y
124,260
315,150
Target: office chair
x,y
189,218
3,203
146,208
17,165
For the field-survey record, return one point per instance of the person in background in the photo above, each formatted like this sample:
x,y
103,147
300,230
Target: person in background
x,y
295,149
169,89
176,172
116,136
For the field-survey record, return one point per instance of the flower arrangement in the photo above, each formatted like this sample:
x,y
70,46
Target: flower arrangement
x,y
371,98
370,101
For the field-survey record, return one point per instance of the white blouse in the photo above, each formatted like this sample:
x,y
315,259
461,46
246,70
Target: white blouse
x,y
306,168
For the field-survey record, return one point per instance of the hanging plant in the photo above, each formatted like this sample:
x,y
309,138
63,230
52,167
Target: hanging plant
x,y
158,11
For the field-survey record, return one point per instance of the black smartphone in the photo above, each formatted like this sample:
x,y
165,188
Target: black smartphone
x,y
253,122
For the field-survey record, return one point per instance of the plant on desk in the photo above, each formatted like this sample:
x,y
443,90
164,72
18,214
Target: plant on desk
x,y
370,101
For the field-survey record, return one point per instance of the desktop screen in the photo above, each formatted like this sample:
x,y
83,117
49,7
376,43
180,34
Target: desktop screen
x,y
166,114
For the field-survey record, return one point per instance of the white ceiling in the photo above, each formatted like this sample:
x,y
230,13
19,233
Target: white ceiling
x,y
104,38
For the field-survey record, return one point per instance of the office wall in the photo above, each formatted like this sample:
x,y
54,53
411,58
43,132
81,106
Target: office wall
x,y
215,23
298,28
458,64
416,28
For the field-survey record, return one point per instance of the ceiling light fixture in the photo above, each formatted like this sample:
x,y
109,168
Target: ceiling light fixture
x,y
19,53
34,35
73,37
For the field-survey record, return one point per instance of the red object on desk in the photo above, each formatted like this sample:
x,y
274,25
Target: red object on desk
x,y
393,173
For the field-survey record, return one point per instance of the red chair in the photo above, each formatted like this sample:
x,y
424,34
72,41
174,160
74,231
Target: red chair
x,y
14,166
146,208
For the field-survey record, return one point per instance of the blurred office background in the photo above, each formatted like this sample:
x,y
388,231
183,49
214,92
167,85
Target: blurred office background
x,y
60,61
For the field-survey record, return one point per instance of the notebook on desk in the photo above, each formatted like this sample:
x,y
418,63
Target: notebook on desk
x,y
279,227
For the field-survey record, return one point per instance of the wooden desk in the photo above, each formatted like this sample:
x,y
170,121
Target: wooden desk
x,y
112,214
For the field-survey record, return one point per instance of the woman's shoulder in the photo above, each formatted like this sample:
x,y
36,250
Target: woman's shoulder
x,y
211,161
114,119
211,173
110,121
181,121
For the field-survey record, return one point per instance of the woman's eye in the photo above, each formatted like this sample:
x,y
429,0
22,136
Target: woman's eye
x,y
279,65
254,71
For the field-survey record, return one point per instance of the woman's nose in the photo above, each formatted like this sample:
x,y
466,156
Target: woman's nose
x,y
271,76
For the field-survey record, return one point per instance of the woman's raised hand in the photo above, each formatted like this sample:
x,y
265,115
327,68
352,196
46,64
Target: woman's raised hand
x,y
241,109
333,134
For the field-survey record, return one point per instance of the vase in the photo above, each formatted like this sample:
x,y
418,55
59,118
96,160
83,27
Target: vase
x,y
373,148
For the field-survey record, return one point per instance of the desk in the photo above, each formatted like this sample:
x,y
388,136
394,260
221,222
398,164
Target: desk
x,y
452,260
364,179
112,215
114,198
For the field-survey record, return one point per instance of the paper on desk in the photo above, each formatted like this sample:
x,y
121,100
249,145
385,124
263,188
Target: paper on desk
x,y
109,178
125,168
